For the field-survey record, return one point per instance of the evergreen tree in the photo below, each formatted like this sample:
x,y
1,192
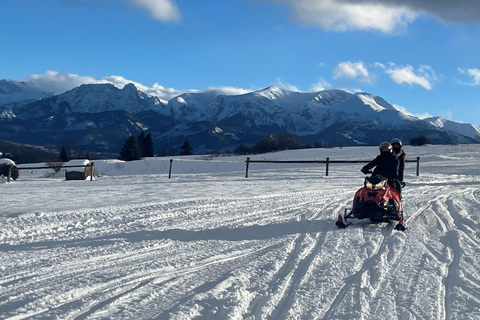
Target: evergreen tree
x,y
130,150
148,146
186,148
141,141
63,154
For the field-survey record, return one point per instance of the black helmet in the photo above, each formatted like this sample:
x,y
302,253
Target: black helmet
x,y
396,141
385,146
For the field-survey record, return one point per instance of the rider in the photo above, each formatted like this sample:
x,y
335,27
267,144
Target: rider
x,y
400,154
386,164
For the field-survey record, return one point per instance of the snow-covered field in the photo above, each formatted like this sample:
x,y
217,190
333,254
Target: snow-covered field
x,y
210,244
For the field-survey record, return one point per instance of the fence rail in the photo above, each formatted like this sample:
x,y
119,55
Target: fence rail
x,y
326,162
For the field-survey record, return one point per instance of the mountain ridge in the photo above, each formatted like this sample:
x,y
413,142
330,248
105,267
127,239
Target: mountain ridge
x,y
100,117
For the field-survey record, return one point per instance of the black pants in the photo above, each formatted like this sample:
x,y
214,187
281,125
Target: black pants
x,y
395,183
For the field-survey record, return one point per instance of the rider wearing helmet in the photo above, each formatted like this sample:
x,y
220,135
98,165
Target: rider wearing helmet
x,y
400,154
386,165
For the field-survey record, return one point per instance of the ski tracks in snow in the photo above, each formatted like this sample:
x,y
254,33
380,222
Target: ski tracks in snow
x,y
260,249
444,233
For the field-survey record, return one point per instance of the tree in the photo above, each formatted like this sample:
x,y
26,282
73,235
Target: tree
x,y
288,141
65,148
148,146
141,141
267,144
63,154
419,141
186,148
130,150
242,149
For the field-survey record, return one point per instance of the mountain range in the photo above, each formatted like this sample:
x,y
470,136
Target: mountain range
x,y
99,117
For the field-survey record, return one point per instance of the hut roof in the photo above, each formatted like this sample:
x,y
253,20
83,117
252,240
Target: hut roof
x,y
77,162
7,161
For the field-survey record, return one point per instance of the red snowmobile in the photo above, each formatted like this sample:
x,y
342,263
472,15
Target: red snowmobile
x,y
376,201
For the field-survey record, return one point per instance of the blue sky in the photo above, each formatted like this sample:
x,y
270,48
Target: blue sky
x,y
420,55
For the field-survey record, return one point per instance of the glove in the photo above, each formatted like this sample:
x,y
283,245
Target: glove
x,y
365,171
402,184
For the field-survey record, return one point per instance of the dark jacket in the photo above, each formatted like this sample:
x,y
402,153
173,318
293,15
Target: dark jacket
x,y
401,164
386,164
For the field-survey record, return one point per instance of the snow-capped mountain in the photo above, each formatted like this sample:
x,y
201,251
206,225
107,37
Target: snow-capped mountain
x,y
91,98
100,116
465,129
17,93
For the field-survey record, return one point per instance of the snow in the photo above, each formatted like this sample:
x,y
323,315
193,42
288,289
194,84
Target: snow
x,y
211,244
181,100
463,128
7,162
369,100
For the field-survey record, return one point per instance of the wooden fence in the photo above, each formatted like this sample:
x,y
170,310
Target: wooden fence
x,y
327,163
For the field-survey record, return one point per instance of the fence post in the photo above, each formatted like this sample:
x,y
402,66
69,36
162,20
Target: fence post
x,y
91,172
327,164
170,170
247,165
9,176
418,166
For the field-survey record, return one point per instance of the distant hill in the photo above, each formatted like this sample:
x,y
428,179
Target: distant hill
x,y
26,154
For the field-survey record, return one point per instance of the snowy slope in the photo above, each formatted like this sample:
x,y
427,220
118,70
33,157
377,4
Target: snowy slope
x,y
211,244
465,129
92,98
14,91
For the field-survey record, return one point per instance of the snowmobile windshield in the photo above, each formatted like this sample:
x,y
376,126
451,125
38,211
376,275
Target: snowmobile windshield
x,y
375,182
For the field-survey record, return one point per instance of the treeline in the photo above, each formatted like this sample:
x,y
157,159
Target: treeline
x,y
419,141
282,141
291,141
25,154
136,148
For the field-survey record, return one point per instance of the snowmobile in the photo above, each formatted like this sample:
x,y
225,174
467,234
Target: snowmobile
x,y
377,201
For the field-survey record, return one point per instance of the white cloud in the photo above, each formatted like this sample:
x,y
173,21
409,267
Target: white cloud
x,y
163,10
448,115
281,84
341,15
446,10
474,74
424,76
321,85
353,71
379,15
59,82
228,91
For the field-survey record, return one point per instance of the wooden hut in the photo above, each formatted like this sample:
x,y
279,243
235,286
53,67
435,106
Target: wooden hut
x,y
5,165
82,172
